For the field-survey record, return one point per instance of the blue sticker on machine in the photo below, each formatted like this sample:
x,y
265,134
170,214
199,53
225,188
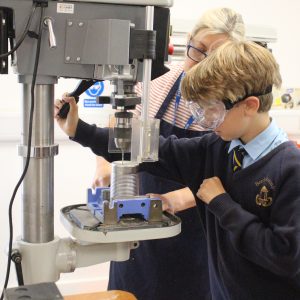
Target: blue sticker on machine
x,y
94,91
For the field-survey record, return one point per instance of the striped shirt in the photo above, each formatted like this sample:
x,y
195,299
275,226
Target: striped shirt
x,y
159,89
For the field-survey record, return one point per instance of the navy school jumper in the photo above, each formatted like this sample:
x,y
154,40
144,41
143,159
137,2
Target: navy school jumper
x,y
253,230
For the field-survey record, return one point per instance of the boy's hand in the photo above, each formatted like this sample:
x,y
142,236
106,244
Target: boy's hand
x,y
102,173
69,124
210,188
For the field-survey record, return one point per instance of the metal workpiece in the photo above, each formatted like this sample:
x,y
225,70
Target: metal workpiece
x,y
124,179
38,184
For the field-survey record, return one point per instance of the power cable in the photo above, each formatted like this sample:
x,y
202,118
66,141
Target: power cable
x,y
23,36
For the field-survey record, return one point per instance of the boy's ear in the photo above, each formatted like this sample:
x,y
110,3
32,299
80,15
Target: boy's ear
x,y
252,105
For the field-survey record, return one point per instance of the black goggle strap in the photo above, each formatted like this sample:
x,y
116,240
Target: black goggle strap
x,y
228,104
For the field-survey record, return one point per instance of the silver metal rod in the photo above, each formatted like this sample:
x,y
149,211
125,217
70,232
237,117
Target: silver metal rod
x,y
38,185
147,67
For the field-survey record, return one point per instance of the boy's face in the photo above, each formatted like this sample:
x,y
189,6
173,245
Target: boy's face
x,y
233,125
241,121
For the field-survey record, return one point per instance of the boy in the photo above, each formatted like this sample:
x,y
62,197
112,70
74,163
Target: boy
x,y
252,213
252,217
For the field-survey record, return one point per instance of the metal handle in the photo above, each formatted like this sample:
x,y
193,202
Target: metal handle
x,y
52,39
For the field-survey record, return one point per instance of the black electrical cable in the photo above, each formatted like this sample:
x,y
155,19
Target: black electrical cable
x,y
23,36
36,63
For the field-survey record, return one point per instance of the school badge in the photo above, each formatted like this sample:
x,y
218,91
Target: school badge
x,y
263,199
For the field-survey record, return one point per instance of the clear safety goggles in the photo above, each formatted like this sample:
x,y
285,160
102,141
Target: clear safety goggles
x,y
212,113
208,116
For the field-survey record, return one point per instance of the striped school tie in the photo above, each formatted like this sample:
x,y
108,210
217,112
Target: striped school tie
x,y
238,156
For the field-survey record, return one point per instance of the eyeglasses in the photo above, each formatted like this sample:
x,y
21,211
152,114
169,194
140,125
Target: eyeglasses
x,y
194,53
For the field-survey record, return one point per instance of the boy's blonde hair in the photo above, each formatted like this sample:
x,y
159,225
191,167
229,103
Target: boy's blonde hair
x,y
221,20
232,71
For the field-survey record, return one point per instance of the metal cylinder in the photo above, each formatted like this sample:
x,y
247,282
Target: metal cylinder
x,y
147,67
144,136
124,180
38,184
